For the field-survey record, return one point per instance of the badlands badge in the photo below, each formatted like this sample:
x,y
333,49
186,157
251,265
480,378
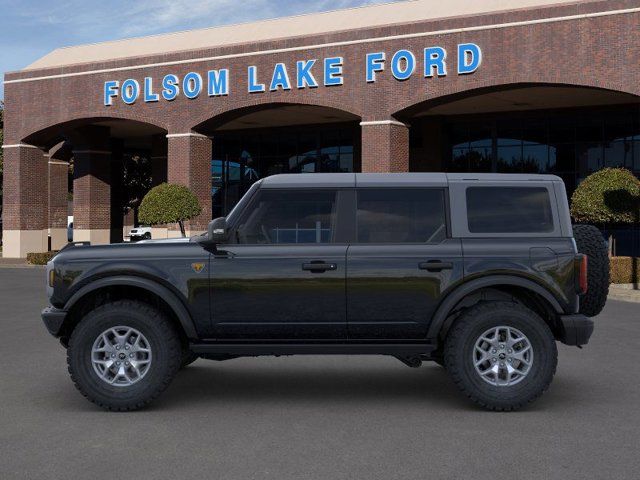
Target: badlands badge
x,y
197,267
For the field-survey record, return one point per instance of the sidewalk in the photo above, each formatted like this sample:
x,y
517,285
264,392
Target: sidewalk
x,y
16,263
628,292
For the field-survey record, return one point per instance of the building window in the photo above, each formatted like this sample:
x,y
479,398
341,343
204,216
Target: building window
x,y
242,157
570,143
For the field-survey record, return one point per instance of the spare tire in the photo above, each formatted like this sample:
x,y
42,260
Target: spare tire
x,y
590,242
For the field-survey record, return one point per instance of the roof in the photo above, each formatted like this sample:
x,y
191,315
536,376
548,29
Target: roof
x,y
413,179
279,28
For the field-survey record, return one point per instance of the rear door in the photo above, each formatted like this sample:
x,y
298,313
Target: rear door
x,y
401,262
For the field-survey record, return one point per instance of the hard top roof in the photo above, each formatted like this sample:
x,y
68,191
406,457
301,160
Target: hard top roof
x,y
421,179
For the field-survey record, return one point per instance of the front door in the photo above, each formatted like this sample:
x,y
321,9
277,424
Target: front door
x,y
401,263
283,274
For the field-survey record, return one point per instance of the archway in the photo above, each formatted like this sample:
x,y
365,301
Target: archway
x,y
561,129
105,166
262,140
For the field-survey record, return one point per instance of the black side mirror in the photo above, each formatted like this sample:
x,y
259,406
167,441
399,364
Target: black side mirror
x,y
217,231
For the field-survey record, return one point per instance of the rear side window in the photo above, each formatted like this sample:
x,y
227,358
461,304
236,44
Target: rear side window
x,y
509,210
388,215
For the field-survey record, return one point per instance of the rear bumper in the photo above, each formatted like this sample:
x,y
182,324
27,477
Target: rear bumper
x,y
53,319
576,329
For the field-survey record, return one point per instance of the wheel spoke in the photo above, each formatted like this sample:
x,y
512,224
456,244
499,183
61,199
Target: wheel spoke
x,y
509,352
120,370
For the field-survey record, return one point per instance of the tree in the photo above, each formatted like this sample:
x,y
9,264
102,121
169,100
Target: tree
x,y
609,196
169,203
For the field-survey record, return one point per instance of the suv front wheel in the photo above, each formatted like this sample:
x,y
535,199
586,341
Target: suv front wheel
x,y
123,354
501,355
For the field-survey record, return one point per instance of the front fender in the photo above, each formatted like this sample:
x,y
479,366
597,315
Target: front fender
x,y
174,302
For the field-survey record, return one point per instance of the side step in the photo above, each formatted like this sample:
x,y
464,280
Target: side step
x,y
257,349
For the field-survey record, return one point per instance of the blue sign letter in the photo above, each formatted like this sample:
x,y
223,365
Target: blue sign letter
x,y
192,85
304,76
110,91
170,86
469,58
333,71
434,57
400,71
130,91
149,96
375,63
280,78
254,87
218,82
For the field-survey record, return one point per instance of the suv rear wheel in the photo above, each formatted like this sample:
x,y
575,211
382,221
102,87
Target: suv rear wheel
x,y
501,355
123,354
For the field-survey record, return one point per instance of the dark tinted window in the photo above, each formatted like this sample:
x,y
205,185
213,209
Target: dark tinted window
x,y
401,216
291,216
509,210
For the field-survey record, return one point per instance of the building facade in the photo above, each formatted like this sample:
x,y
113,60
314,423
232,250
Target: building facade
x,y
545,86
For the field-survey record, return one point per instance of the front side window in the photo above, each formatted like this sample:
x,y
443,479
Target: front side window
x,y
289,216
509,210
390,215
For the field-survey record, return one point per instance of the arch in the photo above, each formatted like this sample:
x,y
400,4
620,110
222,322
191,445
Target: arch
x,y
458,93
47,135
208,123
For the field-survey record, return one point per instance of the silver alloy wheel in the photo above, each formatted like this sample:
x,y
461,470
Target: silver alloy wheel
x,y
503,356
121,356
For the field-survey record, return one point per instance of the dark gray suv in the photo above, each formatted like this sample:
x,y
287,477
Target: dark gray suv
x,y
481,273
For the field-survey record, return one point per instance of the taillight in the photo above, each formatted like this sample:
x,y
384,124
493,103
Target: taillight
x,y
582,276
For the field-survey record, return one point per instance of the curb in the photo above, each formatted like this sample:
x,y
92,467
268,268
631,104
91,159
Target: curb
x,y
19,265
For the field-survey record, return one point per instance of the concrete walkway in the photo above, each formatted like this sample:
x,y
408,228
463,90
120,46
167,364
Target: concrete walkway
x,y
628,292
16,263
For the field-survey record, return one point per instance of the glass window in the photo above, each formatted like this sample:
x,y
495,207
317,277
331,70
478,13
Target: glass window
x,y
401,216
291,216
509,210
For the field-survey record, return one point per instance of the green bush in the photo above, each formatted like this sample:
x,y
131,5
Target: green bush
x,y
169,203
622,270
611,195
40,258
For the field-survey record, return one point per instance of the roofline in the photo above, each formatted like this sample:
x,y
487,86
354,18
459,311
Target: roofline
x,y
84,58
580,16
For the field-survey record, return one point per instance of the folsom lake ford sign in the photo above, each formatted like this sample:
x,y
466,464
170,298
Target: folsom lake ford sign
x,y
310,73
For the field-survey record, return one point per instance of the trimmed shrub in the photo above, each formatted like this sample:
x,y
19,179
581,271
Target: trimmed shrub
x,y
622,270
611,195
169,203
40,258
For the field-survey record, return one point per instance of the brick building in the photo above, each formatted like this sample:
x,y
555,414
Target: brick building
x,y
526,86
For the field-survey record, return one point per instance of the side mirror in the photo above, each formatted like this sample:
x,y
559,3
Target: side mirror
x,y
217,230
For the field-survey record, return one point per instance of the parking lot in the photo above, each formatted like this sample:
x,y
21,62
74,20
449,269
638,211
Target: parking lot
x,y
315,417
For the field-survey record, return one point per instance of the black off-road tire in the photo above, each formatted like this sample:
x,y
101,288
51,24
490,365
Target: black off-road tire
x,y
165,347
590,242
459,360
188,357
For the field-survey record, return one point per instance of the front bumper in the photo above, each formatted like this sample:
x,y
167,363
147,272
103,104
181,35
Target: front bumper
x,y
53,319
576,329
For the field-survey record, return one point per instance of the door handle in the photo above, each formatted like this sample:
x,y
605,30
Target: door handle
x,y
435,266
319,267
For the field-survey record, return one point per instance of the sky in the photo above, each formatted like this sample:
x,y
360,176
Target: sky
x,y
30,29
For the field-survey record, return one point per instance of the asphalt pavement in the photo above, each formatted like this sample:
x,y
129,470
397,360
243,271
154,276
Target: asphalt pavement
x,y
314,417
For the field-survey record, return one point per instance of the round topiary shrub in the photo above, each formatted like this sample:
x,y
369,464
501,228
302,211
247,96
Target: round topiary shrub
x,y
169,203
611,195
